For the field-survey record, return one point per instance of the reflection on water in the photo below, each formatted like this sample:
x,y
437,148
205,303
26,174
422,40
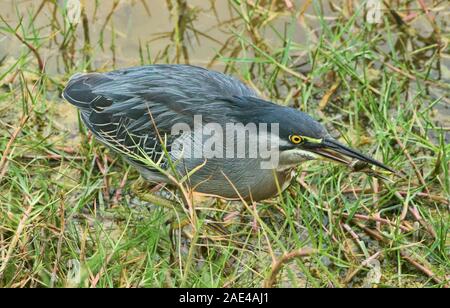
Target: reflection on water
x,y
71,187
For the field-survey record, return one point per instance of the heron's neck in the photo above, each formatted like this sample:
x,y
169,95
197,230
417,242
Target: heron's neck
x,y
291,158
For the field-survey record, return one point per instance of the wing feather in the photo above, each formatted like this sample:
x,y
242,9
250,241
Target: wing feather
x,y
119,106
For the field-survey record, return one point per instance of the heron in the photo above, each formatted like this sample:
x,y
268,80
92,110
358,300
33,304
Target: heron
x,y
134,110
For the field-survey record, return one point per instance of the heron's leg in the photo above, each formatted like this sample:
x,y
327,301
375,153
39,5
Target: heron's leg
x,y
216,227
142,189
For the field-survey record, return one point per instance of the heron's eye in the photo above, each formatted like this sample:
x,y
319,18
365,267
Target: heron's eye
x,y
295,139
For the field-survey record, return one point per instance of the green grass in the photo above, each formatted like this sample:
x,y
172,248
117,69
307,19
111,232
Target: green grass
x,y
68,217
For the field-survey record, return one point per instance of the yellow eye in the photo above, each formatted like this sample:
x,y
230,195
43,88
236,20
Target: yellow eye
x,y
295,139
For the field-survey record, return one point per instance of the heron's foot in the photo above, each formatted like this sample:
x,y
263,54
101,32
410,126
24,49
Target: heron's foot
x,y
212,229
143,191
217,227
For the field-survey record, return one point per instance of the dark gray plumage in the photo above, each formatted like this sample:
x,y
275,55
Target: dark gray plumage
x,y
123,107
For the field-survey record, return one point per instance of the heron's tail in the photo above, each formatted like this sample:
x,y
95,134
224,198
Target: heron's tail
x,y
79,92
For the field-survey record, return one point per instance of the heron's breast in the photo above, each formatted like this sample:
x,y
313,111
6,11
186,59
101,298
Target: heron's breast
x,y
235,179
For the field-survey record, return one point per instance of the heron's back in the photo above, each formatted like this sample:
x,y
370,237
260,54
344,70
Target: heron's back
x,y
131,109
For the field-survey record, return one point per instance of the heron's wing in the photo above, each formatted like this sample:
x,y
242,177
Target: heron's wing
x,y
123,108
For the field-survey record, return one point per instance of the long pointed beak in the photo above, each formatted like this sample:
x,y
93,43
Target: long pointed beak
x,y
336,151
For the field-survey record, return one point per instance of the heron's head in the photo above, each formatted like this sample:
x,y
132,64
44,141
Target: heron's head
x,y
299,137
303,138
